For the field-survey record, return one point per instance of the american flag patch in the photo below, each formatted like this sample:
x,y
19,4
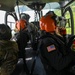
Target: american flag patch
x,y
51,48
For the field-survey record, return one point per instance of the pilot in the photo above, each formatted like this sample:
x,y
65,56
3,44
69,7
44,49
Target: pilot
x,y
8,51
25,32
32,29
53,52
61,24
22,36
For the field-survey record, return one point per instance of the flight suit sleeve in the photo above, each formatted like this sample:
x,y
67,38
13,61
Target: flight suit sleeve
x,y
22,40
54,56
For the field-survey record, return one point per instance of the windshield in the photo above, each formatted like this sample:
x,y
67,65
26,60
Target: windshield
x,y
33,14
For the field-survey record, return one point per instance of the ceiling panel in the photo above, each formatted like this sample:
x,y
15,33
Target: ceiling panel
x,y
8,5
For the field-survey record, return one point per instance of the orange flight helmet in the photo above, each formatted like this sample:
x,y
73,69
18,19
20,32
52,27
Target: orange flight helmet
x,y
21,24
47,23
42,20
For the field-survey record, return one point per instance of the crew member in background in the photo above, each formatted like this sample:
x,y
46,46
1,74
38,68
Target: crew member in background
x,y
22,38
55,55
32,30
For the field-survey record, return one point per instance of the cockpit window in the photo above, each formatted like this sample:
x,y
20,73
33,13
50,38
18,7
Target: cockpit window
x,y
33,14
2,16
55,6
51,6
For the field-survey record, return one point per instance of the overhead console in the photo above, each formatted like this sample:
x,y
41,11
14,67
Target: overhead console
x,y
36,6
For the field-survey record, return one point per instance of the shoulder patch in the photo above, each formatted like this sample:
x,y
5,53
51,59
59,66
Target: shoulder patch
x,y
51,48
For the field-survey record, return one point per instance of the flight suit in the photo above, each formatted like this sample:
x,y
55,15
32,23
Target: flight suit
x,y
32,29
54,54
22,39
8,56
